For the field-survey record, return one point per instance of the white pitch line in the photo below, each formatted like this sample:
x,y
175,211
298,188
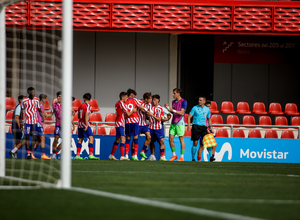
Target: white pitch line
x,y
227,200
17,187
189,173
165,205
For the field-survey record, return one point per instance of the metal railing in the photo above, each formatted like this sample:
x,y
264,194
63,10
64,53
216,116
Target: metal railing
x,y
231,126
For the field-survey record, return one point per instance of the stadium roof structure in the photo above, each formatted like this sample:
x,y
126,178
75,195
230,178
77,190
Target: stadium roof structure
x,y
173,16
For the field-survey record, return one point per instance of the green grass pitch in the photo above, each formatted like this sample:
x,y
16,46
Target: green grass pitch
x,y
259,190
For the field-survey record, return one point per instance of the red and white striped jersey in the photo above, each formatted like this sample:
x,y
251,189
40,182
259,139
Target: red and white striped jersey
x,y
121,107
133,118
158,112
82,109
31,107
142,116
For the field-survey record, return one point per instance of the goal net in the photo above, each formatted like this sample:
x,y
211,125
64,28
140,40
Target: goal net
x,y
33,58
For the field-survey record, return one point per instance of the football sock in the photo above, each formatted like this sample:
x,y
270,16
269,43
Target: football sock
x,y
144,150
162,152
14,150
199,158
115,146
27,150
91,148
122,149
43,150
194,150
55,152
136,146
33,150
127,146
173,150
78,149
213,155
209,151
182,153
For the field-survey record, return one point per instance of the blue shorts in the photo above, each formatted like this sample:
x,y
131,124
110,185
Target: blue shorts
x,y
30,129
132,129
143,129
18,135
87,133
156,135
120,132
39,131
57,130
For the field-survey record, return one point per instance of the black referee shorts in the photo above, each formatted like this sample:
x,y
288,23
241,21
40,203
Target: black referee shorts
x,y
198,131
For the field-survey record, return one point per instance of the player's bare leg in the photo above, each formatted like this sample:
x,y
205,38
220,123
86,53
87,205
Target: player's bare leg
x,y
172,145
152,149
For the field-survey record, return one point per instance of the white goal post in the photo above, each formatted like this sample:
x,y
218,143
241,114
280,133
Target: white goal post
x,y
67,80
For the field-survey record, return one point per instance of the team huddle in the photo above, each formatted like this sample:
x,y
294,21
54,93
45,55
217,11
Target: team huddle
x,y
133,117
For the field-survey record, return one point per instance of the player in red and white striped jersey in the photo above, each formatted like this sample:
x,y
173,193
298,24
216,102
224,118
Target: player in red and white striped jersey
x,y
121,109
156,128
30,105
84,129
143,107
132,125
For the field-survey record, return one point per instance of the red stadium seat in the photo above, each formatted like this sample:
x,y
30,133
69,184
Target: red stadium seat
x,y
232,120
76,104
95,117
214,107
110,117
243,108
238,133
47,105
101,130
281,120
10,103
275,109
259,108
54,101
227,108
295,121
249,120
254,133
187,133
94,104
291,109
9,116
112,131
271,134
216,119
49,129
10,130
75,119
287,134
265,120
186,117
222,132
49,120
